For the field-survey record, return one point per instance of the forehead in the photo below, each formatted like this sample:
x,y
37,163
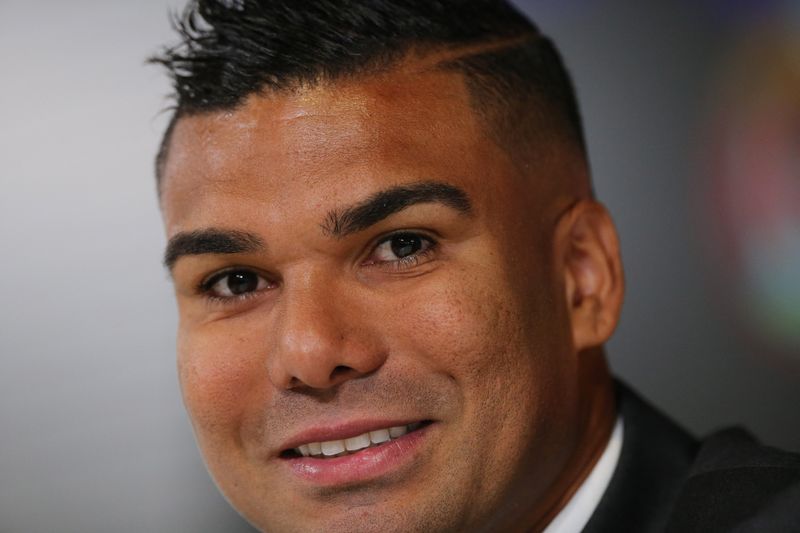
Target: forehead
x,y
328,142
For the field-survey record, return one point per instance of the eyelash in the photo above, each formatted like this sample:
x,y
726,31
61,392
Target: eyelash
x,y
205,287
404,263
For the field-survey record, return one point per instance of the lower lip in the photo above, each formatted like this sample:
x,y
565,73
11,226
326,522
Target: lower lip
x,y
365,465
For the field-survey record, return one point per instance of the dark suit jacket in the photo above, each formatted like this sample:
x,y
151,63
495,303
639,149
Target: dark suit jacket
x,y
667,481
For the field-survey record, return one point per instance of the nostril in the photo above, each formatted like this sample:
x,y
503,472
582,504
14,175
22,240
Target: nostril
x,y
341,370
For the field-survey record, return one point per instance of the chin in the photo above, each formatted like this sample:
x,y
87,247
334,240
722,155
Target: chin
x,y
367,518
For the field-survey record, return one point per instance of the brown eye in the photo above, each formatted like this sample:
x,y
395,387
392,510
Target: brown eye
x,y
400,246
236,283
404,245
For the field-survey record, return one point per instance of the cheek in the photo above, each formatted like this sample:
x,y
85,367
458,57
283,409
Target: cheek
x,y
483,336
217,376
503,339
471,328
470,323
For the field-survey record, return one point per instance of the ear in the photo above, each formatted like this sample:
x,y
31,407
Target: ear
x,y
587,251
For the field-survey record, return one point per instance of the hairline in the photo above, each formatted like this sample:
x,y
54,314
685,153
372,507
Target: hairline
x,y
442,58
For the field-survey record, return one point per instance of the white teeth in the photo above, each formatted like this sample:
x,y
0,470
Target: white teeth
x,y
382,435
357,443
333,447
398,431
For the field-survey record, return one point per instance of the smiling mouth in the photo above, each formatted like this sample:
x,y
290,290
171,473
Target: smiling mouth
x,y
338,448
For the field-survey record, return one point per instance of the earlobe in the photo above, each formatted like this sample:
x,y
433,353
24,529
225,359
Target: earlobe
x,y
589,256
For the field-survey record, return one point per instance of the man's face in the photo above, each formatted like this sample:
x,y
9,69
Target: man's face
x,y
360,257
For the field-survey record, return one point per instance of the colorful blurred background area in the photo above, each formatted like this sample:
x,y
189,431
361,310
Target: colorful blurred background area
x,y
692,114
752,198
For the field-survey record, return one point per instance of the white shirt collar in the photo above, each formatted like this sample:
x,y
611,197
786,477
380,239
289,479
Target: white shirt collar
x,y
576,514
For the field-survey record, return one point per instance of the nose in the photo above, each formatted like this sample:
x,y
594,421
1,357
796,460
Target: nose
x,y
319,338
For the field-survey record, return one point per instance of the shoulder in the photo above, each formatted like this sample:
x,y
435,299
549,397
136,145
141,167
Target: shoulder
x,y
666,480
737,484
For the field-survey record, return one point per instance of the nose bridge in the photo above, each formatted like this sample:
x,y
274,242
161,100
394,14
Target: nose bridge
x,y
318,341
311,326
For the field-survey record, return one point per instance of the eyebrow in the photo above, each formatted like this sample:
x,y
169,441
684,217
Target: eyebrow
x,y
343,222
210,241
338,223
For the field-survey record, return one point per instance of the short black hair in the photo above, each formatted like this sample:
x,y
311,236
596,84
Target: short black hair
x,y
230,49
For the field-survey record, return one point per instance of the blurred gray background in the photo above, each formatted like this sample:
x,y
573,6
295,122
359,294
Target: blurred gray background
x,y
94,437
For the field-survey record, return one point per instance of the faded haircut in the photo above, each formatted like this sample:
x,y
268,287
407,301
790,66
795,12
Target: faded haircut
x,y
231,49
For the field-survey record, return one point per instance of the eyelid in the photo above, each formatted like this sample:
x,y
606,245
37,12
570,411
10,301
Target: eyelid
x,y
425,234
211,279
207,283
204,286
403,262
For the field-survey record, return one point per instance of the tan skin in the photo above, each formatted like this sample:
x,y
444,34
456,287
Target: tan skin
x,y
493,331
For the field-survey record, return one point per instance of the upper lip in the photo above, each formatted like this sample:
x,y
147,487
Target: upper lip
x,y
341,431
